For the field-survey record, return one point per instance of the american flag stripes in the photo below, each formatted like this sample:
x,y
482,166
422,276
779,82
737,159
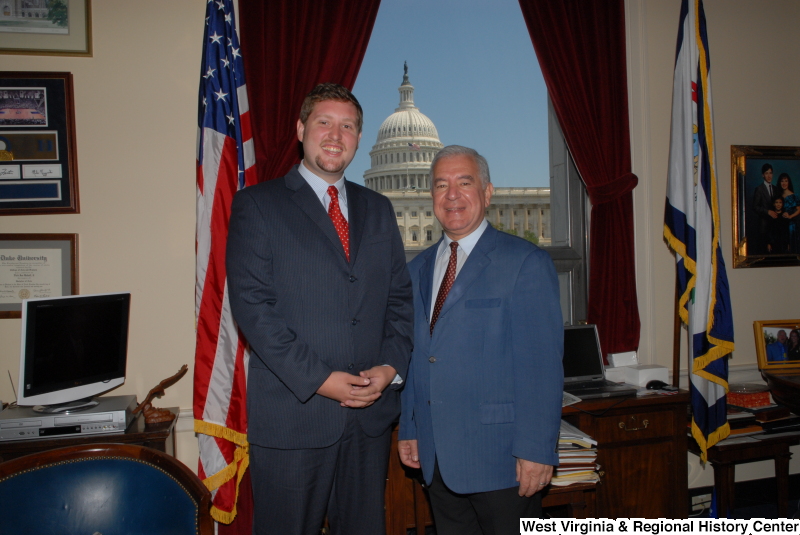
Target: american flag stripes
x,y
225,164
692,229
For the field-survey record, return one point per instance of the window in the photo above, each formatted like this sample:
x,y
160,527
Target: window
x,y
399,214
561,226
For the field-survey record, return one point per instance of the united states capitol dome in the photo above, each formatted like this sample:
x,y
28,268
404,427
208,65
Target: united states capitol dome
x,y
407,142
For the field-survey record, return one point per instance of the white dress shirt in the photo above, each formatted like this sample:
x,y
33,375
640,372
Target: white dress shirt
x,y
465,247
320,187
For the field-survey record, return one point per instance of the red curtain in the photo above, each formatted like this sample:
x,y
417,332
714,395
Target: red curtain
x,y
288,47
581,49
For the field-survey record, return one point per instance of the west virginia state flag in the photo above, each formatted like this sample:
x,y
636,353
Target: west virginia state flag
x,y
691,228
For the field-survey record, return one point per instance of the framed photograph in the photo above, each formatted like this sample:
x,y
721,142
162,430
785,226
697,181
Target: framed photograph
x,y
38,158
46,27
36,265
766,206
777,344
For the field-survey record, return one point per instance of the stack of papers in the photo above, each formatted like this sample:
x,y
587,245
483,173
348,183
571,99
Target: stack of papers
x,y
577,456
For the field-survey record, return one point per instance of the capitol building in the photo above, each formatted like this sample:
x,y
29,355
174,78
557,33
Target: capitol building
x,y
400,169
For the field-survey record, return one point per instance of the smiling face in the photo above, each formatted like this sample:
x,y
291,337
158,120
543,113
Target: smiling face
x,y
768,176
330,138
459,198
784,182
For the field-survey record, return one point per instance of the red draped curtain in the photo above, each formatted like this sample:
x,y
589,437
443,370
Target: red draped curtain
x,y
288,47
580,45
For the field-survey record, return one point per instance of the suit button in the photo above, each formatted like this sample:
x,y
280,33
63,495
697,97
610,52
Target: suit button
x,y
429,402
352,278
432,360
354,321
350,366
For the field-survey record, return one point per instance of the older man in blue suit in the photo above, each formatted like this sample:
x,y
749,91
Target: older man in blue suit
x,y
318,284
482,402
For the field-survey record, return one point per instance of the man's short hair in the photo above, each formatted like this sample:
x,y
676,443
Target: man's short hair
x,y
766,167
328,91
457,150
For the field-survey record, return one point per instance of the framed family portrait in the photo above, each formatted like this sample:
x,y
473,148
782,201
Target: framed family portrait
x,y
777,344
36,265
38,158
46,27
766,206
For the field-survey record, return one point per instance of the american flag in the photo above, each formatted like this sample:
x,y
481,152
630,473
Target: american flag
x,y
414,146
225,164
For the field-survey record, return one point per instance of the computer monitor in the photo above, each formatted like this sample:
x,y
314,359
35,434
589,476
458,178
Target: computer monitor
x,y
73,348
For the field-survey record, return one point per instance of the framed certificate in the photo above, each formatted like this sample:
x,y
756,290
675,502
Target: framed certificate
x,y
36,265
38,159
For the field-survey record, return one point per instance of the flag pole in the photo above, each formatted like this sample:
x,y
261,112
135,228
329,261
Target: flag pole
x,y
676,337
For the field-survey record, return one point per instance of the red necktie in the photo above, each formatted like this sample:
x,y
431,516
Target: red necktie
x,y
447,283
339,222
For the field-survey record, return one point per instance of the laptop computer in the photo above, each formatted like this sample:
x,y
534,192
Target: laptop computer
x,y
584,374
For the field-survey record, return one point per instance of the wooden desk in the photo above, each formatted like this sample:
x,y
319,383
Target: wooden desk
x,y
160,437
642,452
725,457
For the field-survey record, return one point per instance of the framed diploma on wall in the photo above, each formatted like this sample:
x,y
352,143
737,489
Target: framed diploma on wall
x,y
38,158
36,265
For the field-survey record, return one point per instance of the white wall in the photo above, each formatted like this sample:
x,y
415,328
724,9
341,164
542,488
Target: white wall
x,y
136,114
136,117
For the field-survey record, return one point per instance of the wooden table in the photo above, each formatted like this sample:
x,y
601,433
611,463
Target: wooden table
x,y
160,437
724,458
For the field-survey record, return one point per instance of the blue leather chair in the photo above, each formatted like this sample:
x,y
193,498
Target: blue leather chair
x,y
105,489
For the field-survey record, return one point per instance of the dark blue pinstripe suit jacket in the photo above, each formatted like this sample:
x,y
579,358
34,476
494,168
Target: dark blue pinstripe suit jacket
x,y
307,312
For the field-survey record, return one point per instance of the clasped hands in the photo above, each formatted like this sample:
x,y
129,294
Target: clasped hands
x,y
357,391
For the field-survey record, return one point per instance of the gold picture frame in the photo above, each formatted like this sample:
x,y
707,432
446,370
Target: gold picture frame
x,y
757,241
767,335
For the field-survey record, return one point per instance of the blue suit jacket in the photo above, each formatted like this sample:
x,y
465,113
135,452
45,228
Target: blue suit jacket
x,y
486,388
306,311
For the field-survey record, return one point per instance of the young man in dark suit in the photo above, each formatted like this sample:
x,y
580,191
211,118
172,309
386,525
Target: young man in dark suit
x,y
762,206
318,285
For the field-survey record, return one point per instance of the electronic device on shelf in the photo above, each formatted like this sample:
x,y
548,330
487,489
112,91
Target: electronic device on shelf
x,y
73,348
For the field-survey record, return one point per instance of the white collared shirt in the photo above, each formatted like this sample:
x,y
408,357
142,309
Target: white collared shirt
x,y
320,187
465,247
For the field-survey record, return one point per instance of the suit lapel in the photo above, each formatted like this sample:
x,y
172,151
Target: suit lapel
x,y
356,218
476,262
307,200
426,279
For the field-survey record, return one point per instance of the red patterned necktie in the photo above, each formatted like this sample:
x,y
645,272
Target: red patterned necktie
x,y
447,283
339,222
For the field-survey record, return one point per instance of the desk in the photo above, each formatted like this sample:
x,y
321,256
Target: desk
x,y
725,457
160,437
642,450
